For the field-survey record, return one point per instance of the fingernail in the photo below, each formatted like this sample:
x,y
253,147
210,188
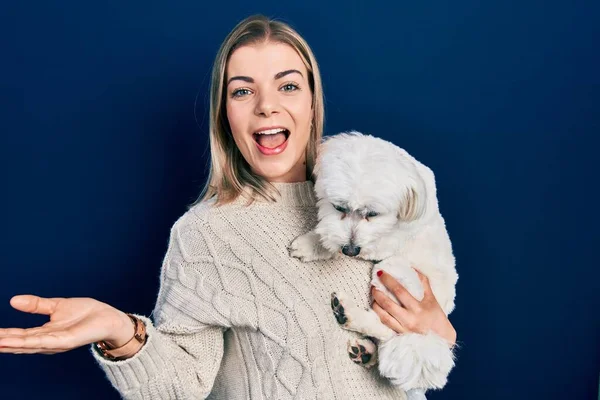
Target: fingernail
x,y
379,272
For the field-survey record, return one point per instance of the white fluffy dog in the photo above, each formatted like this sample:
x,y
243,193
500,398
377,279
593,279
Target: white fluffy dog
x,y
378,203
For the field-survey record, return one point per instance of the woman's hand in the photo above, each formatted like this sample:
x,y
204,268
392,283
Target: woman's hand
x,y
412,315
74,322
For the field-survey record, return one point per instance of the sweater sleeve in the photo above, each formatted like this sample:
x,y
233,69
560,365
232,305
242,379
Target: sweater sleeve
x,y
184,347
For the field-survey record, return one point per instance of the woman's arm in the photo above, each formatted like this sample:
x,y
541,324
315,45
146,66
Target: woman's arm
x,y
171,364
184,346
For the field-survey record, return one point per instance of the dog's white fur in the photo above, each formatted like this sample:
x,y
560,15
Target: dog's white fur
x,y
362,173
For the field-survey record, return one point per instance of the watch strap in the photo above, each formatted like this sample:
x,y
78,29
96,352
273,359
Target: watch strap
x,y
129,348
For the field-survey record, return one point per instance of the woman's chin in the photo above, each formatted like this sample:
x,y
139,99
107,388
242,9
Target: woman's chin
x,y
281,172
284,167
276,175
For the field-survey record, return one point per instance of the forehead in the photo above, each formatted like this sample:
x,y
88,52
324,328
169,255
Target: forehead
x,y
264,60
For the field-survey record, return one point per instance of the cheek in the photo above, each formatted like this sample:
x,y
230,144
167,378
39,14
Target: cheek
x,y
236,119
334,226
301,112
238,122
376,228
333,231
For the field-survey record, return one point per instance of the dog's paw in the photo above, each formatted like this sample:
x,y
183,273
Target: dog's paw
x,y
363,352
338,309
308,248
400,268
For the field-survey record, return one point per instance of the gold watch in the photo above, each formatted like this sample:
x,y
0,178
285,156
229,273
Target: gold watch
x,y
129,348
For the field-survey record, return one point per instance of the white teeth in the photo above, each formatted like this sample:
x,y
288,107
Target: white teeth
x,y
271,131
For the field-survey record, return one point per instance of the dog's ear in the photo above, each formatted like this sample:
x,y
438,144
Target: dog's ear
x,y
322,148
413,205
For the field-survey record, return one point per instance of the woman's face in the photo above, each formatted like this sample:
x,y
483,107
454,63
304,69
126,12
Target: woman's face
x,y
269,108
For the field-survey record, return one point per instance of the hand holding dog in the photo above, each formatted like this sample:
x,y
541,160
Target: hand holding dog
x,y
413,315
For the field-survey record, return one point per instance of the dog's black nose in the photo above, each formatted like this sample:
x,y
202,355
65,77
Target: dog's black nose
x,y
351,250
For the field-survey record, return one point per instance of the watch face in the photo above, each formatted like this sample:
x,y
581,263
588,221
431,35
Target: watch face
x,y
101,348
140,330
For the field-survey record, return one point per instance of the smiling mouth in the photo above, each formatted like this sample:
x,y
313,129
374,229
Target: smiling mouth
x,y
271,138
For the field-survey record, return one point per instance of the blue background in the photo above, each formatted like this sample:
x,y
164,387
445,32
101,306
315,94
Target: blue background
x,y
103,123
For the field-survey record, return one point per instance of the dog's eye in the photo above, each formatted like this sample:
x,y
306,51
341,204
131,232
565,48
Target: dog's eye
x,y
341,209
372,214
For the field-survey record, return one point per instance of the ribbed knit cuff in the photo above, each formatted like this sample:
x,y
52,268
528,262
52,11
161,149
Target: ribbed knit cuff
x,y
138,369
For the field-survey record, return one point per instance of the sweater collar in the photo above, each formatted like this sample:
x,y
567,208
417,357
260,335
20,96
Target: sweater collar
x,y
296,194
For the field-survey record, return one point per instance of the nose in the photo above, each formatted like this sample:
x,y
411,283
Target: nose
x,y
266,105
351,250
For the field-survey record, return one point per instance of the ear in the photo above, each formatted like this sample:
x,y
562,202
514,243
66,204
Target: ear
x,y
413,205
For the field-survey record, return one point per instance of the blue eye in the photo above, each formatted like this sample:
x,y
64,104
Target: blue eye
x,y
240,92
289,87
372,214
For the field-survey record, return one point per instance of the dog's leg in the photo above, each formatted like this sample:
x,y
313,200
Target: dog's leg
x,y
363,351
401,269
308,247
416,361
354,318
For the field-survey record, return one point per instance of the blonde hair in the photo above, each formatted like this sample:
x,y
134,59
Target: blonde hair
x,y
230,175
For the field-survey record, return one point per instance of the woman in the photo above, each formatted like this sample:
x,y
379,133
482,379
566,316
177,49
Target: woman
x,y
236,317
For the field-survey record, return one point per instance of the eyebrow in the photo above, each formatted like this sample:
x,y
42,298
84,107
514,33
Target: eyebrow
x,y
278,75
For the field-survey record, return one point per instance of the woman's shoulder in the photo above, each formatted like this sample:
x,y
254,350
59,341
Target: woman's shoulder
x,y
189,231
201,219
194,217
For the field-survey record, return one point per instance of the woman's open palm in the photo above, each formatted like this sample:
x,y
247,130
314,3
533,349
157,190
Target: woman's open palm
x,y
74,322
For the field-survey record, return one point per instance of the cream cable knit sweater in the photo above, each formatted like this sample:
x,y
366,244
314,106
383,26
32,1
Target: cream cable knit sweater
x,y
237,318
